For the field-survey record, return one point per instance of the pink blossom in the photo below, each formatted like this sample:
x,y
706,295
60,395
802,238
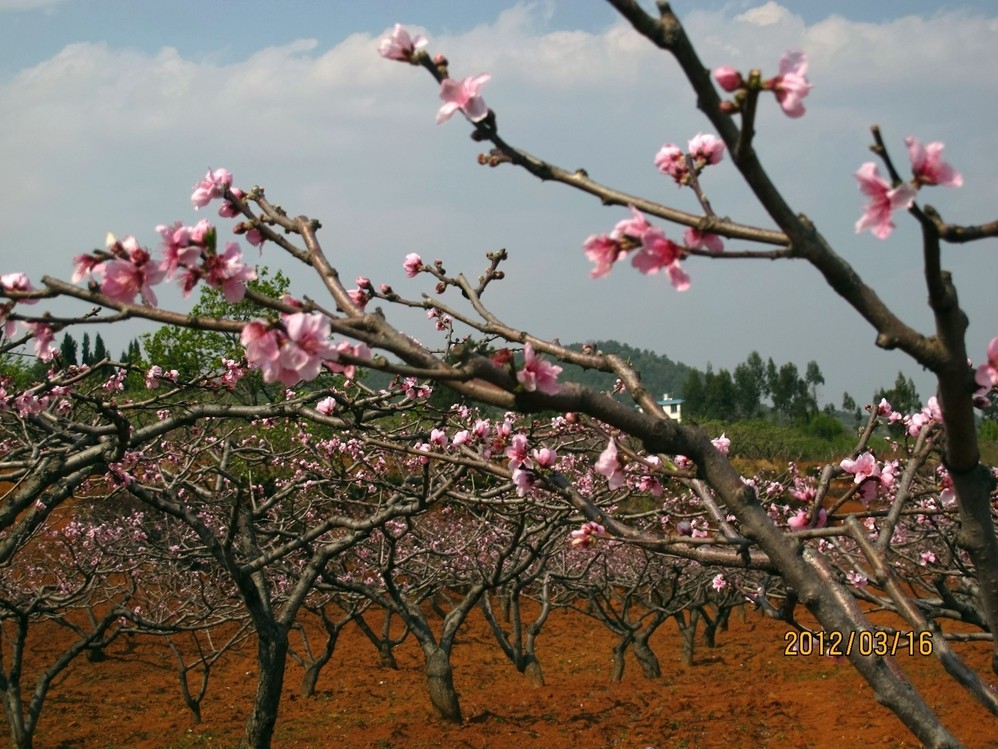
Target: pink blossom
x,y
302,354
884,200
18,282
152,377
930,413
604,252
84,265
229,273
719,583
255,237
545,457
584,535
633,228
609,465
438,438
706,149
677,277
481,428
400,46
261,343
802,520
791,85
926,558
123,279
671,160
728,79
44,340
722,443
928,166
702,240
538,374
229,208
413,264
856,578
864,467
523,480
657,252
517,453
461,438
359,297
27,404
463,95
986,375
233,373
357,351
182,246
888,474
211,186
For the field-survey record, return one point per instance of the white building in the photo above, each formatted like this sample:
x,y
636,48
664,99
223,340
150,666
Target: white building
x,y
672,406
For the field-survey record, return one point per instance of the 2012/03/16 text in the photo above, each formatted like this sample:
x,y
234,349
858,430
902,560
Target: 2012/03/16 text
x,y
865,642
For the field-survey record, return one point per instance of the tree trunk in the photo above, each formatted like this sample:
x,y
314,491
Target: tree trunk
x,y
647,658
272,656
532,670
689,632
440,679
617,674
20,735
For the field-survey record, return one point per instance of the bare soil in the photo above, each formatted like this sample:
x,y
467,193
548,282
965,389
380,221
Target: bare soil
x,y
745,692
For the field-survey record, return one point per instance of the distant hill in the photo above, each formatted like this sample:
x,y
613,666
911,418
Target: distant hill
x,y
658,373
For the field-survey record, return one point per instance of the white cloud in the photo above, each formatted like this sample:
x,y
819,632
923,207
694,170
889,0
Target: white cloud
x,y
766,15
21,5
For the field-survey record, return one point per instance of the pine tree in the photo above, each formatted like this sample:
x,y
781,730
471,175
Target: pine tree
x,y
67,351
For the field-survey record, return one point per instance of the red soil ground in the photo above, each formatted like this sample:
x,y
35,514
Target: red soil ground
x,y
743,693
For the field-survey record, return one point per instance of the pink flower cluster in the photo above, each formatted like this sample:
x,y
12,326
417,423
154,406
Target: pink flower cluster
x,y
156,373
584,536
930,414
790,86
928,168
870,476
538,374
18,283
297,348
802,520
127,270
703,149
986,375
656,251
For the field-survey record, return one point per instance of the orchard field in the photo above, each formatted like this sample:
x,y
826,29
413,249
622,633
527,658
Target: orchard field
x,y
743,692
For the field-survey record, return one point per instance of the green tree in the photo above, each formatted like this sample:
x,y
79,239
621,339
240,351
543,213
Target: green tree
x,y
100,350
721,396
68,350
903,397
813,377
86,356
750,384
694,394
196,353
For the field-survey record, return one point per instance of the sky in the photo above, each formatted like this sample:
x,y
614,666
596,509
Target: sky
x,y
111,111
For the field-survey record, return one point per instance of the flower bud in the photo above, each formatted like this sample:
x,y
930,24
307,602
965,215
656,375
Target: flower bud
x,y
728,78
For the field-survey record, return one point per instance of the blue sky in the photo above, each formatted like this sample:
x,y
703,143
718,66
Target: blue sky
x,y
110,111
